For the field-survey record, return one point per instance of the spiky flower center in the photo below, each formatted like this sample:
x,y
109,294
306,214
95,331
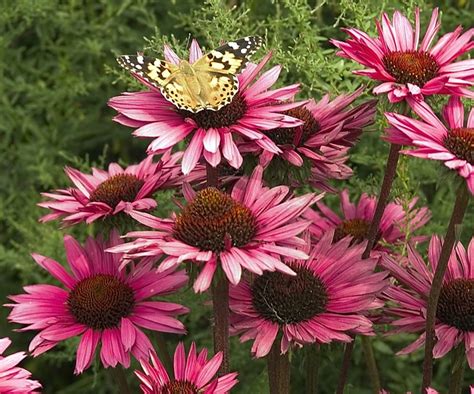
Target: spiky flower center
x,y
120,187
296,136
224,117
415,67
214,220
460,142
358,229
456,304
286,299
100,301
178,387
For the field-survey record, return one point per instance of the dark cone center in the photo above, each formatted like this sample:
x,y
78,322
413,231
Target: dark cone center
x,y
296,136
101,301
415,67
224,117
286,299
358,229
213,220
460,142
121,187
178,387
456,304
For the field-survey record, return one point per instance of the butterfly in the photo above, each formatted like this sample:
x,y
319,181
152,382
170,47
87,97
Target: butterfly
x,y
208,83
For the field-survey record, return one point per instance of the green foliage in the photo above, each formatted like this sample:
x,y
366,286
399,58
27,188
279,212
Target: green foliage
x,y
57,72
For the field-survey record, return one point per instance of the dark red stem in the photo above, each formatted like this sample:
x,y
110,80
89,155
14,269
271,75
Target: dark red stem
x,y
459,209
220,296
346,363
220,302
390,172
389,176
278,366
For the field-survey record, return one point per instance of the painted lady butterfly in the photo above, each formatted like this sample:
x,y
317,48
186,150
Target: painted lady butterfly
x,y
209,83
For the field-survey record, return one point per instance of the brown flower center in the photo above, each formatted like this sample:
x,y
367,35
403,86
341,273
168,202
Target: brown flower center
x,y
177,387
358,229
224,117
101,301
213,219
286,299
296,136
456,304
460,142
121,187
415,67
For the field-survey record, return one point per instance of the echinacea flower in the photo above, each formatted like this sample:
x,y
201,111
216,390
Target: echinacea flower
x,y
253,110
454,324
407,69
192,374
451,142
249,228
100,303
317,148
325,301
397,221
14,379
108,193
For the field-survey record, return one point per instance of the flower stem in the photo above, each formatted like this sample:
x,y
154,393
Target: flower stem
x,y
389,176
390,172
163,352
457,370
220,302
459,209
278,370
313,356
346,363
120,380
220,297
212,176
371,364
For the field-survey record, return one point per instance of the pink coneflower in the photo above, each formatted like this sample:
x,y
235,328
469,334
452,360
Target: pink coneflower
x,y
14,379
396,221
407,69
109,193
324,302
253,110
192,374
249,228
452,143
100,303
321,142
454,316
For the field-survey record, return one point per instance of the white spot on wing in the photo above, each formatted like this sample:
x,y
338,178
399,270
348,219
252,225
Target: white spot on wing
x,y
233,45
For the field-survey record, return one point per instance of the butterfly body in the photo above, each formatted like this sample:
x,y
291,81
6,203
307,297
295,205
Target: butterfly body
x,y
208,83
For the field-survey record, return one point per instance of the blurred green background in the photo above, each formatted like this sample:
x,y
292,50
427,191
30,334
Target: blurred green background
x,y
58,69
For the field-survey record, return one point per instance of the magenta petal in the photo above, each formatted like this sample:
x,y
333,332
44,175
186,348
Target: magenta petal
x,y
127,333
76,257
55,269
209,370
193,152
86,350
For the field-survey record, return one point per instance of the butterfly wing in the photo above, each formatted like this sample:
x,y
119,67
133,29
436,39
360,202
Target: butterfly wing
x,y
180,93
154,71
163,75
220,89
229,58
213,82
216,71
